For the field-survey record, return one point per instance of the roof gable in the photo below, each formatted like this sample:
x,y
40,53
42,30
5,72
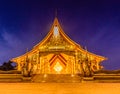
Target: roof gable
x,y
56,38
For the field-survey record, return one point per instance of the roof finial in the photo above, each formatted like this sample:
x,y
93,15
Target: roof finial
x,y
55,12
26,50
85,48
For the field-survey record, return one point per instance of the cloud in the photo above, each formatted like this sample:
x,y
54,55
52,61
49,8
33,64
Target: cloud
x,y
11,40
10,46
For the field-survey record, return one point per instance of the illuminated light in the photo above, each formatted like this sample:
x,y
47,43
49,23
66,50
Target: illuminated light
x,y
72,75
58,67
45,75
56,31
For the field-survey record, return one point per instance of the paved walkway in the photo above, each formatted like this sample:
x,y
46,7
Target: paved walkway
x,y
59,88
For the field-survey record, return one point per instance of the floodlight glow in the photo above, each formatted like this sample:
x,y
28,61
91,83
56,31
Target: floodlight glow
x,y
58,67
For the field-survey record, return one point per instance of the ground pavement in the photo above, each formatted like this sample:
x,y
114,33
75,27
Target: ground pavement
x,y
59,88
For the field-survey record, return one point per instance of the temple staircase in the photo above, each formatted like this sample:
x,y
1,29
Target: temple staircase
x,y
10,78
57,78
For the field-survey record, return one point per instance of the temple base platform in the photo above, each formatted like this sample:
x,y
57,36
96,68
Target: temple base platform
x,y
56,78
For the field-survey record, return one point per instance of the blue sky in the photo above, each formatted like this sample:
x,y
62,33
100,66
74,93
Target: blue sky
x,y
91,23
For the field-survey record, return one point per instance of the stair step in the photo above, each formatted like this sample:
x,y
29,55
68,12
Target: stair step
x,y
56,78
10,78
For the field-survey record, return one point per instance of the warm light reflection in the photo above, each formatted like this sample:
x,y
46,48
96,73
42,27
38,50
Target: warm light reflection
x,y
58,67
72,75
60,88
45,75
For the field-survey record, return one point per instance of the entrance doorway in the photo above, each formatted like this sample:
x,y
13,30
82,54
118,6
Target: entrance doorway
x,y
58,65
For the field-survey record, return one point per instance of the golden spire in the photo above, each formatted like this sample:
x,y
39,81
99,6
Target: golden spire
x,y
56,28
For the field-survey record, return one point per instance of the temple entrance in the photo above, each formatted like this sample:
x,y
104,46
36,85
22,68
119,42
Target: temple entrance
x,y
57,64
57,67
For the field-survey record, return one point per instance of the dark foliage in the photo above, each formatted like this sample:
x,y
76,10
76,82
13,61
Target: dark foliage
x,y
7,66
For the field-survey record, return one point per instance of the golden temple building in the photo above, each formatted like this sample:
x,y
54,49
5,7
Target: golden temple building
x,y
58,54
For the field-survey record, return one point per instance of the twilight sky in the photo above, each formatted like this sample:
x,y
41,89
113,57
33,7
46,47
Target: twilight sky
x,y
94,24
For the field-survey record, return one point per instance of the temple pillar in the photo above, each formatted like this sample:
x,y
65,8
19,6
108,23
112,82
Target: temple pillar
x,y
18,67
66,70
76,61
34,64
29,64
69,66
38,63
48,67
80,67
97,64
46,64
74,66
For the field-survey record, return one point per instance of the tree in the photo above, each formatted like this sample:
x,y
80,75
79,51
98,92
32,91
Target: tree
x,y
7,66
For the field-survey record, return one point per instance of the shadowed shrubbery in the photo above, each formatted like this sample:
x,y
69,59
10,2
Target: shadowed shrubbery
x,y
7,66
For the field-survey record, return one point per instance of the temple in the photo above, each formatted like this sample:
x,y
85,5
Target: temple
x,y
58,54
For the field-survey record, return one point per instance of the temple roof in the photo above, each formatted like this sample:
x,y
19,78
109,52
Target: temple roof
x,y
57,39
56,35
